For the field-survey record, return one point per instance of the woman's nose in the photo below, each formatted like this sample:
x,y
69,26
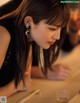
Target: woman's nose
x,y
57,34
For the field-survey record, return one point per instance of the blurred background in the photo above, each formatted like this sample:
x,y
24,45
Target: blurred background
x,y
3,1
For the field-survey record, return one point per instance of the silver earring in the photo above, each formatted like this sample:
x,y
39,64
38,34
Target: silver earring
x,y
27,32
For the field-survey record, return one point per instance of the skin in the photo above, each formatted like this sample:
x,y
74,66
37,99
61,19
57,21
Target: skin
x,y
43,34
10,89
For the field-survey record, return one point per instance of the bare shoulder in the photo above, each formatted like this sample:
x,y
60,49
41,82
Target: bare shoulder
x,y
4,43
4,34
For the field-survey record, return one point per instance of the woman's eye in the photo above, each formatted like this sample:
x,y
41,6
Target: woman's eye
x,y
52,29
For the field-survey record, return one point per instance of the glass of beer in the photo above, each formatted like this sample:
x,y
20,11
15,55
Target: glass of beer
x,y
62,96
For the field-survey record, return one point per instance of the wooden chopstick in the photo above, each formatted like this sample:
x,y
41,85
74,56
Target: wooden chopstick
x,y
29,96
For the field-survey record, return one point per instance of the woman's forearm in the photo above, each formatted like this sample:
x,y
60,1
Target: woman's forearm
x,y
36,72
8,89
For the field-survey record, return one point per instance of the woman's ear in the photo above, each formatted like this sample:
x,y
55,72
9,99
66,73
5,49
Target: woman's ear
x,y
28,21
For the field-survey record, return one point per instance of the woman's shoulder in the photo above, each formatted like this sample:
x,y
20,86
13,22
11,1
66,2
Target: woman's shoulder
x,y
4,34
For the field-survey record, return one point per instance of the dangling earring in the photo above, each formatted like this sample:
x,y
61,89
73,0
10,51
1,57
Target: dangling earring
x,y
27,32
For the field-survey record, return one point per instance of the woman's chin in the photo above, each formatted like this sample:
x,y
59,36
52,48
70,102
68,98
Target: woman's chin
x,y
46,47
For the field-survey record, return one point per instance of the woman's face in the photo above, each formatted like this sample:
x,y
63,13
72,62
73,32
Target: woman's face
x,y
45,35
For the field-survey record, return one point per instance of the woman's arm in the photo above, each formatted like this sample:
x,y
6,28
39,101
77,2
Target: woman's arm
x,y
60,72
10,88
36,72
4,43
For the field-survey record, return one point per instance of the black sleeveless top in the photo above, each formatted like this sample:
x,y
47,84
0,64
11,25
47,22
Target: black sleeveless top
x,y
8,69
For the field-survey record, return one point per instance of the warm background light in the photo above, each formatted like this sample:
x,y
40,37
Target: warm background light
x,y
3,2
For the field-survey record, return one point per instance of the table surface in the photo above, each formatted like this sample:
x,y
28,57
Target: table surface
x,y
48,88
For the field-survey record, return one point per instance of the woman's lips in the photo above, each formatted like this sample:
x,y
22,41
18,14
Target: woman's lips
x,y
51,43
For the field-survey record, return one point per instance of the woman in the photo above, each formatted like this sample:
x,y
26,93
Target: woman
x,y
33,20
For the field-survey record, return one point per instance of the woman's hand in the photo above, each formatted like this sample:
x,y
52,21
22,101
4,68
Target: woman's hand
x,y
27,80
60,72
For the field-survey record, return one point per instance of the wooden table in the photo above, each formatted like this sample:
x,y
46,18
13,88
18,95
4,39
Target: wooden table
x,y
48,88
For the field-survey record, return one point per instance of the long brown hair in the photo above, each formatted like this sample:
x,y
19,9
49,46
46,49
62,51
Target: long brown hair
x,y
50,10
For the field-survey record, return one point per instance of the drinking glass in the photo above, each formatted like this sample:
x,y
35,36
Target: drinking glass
x,y
62,96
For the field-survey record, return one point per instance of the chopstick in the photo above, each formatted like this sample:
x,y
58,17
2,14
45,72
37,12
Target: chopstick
x,y
30,95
